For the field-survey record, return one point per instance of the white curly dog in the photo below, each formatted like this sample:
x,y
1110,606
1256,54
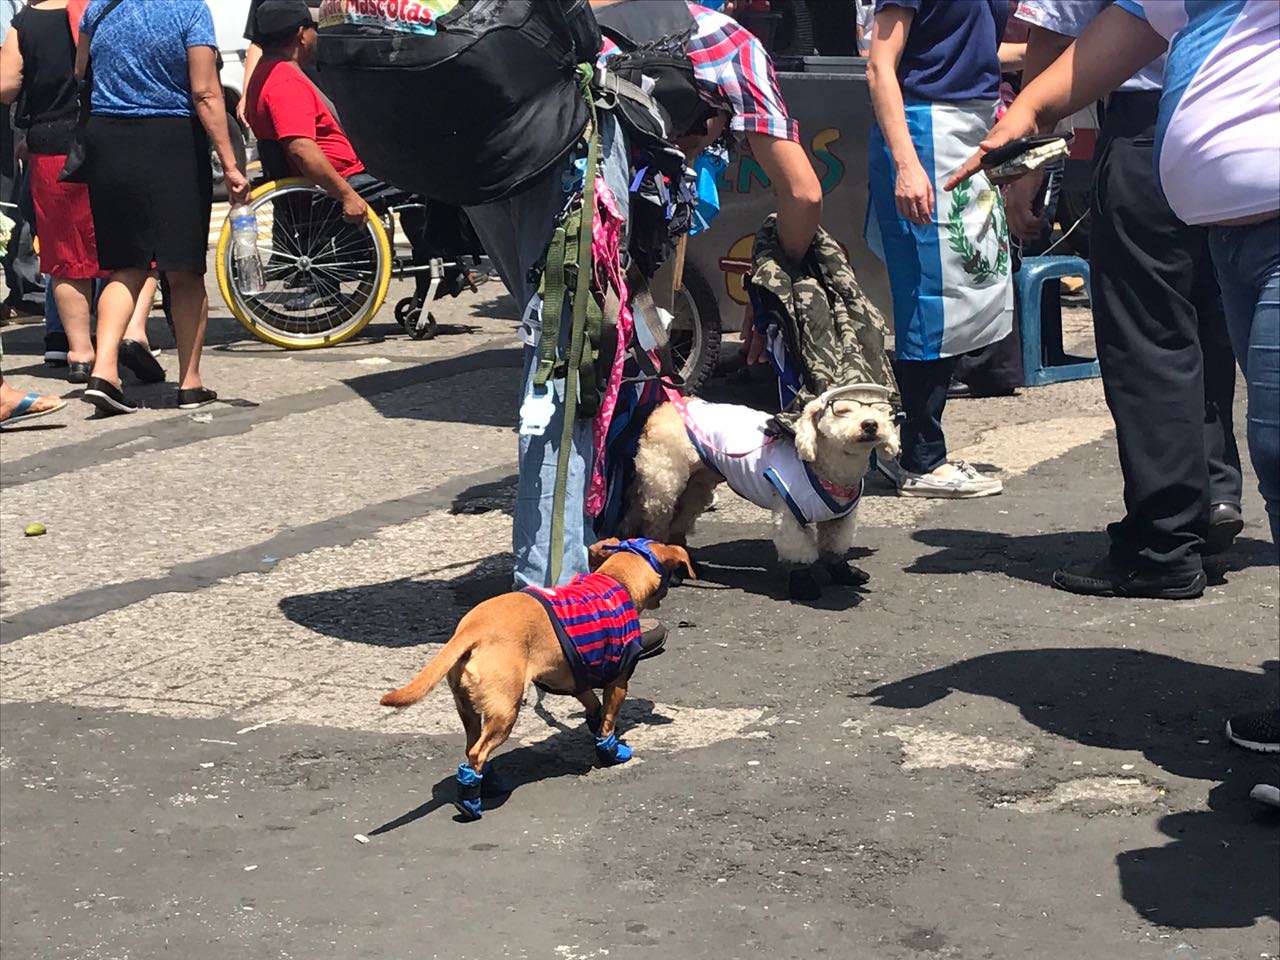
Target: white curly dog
x,y
812,484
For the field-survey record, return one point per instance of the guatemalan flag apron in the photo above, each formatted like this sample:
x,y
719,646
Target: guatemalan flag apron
x,y
950,279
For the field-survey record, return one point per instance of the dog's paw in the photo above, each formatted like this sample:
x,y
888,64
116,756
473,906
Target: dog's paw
x,y
803,585
611,751
847,574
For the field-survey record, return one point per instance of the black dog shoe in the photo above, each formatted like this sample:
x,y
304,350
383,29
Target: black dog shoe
x,y
803,585
847,574
1106,578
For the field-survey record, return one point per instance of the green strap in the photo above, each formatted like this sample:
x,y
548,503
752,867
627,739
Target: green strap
x,y
552,305
581,257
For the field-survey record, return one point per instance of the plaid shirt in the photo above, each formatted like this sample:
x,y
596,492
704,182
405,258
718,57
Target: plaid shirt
x,y
734,71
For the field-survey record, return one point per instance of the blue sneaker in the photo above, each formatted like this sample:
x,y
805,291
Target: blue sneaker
x,y
611,751
468,799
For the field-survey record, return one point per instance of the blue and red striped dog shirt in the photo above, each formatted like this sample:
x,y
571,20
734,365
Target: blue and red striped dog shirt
x,y
597,625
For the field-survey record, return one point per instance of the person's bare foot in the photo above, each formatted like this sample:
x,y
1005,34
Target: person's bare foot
x,y
11,400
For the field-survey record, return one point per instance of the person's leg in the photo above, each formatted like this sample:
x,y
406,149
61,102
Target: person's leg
x,y
137,329
56,345
74,302
1247,260
1222,455
1148,339
190,317
115,309
923,386
515,234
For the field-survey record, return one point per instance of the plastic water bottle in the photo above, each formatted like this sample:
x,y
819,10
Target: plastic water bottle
x,y
244,251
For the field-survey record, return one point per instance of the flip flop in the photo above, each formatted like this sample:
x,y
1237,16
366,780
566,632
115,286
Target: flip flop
x,y
23,410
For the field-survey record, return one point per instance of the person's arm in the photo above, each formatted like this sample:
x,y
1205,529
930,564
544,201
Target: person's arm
x,y
211,109
10,67
82,54
251,58
796,190
913,191
315,167
1044,46
1114,47
1012,57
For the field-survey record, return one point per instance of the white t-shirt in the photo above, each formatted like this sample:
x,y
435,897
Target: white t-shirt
x,y
1218,134
732,441
1070,17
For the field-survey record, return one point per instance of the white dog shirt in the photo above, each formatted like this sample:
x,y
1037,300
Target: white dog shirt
x,y
732,441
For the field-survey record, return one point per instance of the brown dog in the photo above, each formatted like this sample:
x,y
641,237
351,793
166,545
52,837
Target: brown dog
x,y
505,643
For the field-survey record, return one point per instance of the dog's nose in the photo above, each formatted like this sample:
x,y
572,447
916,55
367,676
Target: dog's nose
x,y
870,427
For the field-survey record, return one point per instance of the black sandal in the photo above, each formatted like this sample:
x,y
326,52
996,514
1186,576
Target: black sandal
x,y
195,398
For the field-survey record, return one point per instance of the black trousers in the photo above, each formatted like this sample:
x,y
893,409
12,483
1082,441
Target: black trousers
x,y
1167,367
922,384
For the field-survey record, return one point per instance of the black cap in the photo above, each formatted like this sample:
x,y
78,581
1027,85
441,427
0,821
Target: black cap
x,y
280,16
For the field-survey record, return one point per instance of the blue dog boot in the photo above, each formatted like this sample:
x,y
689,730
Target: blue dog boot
x,y
611,751
493,785
468,799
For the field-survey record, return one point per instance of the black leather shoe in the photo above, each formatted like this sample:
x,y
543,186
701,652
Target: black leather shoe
x,y
108,398
1105,578
138,359
1225,524
195,397
78,372
653,637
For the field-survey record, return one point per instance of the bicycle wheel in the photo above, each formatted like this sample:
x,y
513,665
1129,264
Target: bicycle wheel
x,y
695,331
325,278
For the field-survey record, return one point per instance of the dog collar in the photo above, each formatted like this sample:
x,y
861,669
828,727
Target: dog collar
x,y
841,493
640,547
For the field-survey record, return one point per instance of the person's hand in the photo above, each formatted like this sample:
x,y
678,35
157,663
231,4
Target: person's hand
x,y
913,193
753,342
1019,200
237,184
244,122
1015,123
354,209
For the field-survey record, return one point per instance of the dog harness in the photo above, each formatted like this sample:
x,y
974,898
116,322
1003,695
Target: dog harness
x,y
597,626
732,440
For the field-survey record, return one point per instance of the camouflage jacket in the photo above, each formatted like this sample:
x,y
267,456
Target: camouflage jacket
x,y
833,332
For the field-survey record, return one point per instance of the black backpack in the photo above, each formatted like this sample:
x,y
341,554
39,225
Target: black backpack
x,y
651,37
471,113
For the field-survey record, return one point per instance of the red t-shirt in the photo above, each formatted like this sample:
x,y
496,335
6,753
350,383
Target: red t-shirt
x,y
282,103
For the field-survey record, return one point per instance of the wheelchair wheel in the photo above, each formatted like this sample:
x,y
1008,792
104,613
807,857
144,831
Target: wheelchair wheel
x,y
325,278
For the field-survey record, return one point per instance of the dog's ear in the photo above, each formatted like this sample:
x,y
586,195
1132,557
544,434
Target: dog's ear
x,y
807,431
600,551
673,558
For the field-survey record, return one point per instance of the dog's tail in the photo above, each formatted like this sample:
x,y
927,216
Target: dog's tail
x,y
459,646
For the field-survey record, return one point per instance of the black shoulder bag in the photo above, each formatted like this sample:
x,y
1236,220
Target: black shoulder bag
x,y
73,170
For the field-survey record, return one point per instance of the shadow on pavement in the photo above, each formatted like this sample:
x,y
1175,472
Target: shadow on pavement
x,y
751,566
402,612
1220,868
1034,557
568,752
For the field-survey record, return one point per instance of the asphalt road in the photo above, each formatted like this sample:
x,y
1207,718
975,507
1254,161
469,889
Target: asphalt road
x,y
957,762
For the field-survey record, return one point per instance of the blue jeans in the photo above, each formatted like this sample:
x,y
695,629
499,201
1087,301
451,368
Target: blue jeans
x,y
1247,261
515,233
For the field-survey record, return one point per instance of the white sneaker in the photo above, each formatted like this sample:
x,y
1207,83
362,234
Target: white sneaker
x,y
1266,793
962,482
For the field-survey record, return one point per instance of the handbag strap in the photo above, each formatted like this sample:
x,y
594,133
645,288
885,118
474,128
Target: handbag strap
x,y
86,85
93,27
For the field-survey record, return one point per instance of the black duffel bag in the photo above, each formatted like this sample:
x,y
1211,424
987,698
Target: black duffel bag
x,y
472,113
